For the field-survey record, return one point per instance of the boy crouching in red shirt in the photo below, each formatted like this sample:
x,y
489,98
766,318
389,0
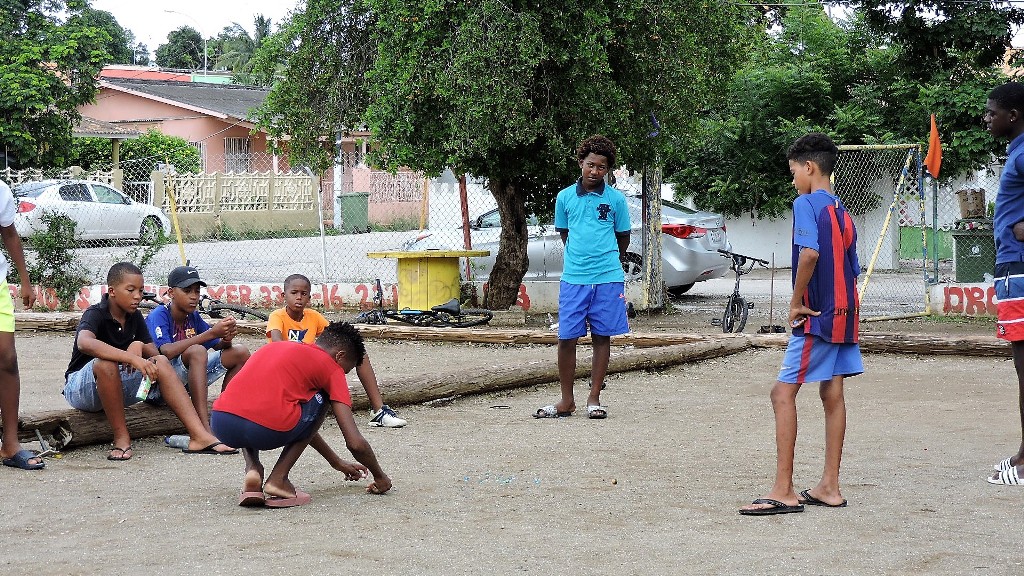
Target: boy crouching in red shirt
x,y
279,400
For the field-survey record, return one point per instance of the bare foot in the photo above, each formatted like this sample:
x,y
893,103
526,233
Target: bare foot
x,y
283,490
787,499
253,481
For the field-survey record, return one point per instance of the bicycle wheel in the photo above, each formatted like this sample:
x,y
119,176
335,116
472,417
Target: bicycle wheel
x,y
471,317
728,319
740,312
221,310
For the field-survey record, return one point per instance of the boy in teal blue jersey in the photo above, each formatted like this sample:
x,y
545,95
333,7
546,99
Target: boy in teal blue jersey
x,y
593,220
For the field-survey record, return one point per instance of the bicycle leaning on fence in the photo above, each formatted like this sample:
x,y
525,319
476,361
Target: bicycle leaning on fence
x,y
737,308
210,307
448,315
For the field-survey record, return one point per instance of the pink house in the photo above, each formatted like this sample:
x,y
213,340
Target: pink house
x,y
212,117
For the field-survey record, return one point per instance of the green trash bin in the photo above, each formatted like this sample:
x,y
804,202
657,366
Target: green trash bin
x,y
355,212
974,252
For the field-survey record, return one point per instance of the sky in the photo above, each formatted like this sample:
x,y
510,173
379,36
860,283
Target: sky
x,y
150,22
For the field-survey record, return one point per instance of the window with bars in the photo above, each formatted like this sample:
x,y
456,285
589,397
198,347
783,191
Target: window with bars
x,y
201,147
237,157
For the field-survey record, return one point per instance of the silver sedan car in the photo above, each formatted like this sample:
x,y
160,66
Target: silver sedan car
x,y
690,240
100,211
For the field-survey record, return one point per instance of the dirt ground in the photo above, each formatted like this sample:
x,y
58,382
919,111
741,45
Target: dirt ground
x,y
480,487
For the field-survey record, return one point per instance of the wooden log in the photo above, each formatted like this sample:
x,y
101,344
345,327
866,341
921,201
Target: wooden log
x,y
924,344
71,428
68,322
521,336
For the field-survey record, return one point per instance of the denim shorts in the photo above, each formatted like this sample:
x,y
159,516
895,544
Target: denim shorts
x,y
239,432
81,393
215,370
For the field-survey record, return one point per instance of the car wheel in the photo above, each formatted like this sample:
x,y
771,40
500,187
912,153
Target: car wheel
x,y
150,231
632,266
680,290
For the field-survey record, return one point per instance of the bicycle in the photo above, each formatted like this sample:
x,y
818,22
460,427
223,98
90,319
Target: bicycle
x,y
211,307
448,315
737,308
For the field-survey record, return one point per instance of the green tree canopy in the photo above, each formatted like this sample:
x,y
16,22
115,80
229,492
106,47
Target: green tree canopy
x,y
51,56
183,50
501,89
121,45
864,80
235,48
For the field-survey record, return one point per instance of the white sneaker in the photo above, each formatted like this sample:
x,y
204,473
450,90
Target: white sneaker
x,y
386,417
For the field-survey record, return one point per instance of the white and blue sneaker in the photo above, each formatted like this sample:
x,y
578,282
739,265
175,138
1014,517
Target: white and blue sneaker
x,y
386,417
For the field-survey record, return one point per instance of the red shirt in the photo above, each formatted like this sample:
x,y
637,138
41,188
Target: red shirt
x,y
276,378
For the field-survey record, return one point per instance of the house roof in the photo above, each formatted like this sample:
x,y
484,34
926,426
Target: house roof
x,y
219,100
93,128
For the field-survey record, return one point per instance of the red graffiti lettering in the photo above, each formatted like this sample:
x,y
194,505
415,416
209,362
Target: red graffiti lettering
x,y
336,300
83,298
990,302
215,292
244,292
523,299
364,296
975,305
954,300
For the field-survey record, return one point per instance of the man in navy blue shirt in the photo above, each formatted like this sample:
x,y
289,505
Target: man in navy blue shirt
x,y
1004,118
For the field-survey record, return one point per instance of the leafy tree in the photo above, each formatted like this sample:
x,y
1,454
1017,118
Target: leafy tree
x,y
236,47
140,54
122,42
501,89
51,59
860,80
183,50
150,149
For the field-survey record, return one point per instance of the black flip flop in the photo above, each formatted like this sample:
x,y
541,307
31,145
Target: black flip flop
x,y
806,498
776,508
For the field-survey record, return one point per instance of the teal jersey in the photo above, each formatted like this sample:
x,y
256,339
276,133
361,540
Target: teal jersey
x,y
592,220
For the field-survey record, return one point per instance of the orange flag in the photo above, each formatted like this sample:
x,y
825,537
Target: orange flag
x,y
934,158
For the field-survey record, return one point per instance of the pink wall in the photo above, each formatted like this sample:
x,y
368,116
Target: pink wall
x,y
142,114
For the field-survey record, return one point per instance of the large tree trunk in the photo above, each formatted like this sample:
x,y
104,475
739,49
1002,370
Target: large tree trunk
x,y
511,262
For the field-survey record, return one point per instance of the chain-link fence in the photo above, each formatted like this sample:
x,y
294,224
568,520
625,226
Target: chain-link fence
x,y
880,187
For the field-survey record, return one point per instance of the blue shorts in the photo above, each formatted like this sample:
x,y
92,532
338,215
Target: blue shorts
x,y
811,359
239,432
215,370
601,306
81,393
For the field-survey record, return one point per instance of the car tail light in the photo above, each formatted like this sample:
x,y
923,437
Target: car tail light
x,y
25,206
683,230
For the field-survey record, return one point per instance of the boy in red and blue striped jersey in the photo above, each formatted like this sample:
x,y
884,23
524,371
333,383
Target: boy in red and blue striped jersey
x,y
824,314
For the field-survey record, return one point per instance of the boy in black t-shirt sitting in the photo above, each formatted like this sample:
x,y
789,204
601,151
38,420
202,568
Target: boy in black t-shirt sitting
x,y
113,353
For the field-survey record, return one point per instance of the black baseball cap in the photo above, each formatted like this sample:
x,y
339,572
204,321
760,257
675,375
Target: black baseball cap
x,y
183,277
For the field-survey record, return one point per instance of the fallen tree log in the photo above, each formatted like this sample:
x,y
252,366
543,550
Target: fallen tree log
x,y
924,344
521,336
71,428
68,322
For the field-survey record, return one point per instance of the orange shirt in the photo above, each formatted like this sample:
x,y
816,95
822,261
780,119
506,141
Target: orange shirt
x,y
306,330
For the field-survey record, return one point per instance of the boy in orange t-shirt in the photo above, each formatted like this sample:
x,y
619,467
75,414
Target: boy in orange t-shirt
x,y
297,323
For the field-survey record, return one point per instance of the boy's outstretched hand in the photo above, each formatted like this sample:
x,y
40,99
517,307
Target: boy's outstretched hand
x,y
351,470
379,485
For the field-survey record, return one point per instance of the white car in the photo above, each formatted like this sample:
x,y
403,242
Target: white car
x,y
689,247
100,211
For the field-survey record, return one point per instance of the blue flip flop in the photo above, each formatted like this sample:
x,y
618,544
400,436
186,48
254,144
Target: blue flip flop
x,y
20,460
